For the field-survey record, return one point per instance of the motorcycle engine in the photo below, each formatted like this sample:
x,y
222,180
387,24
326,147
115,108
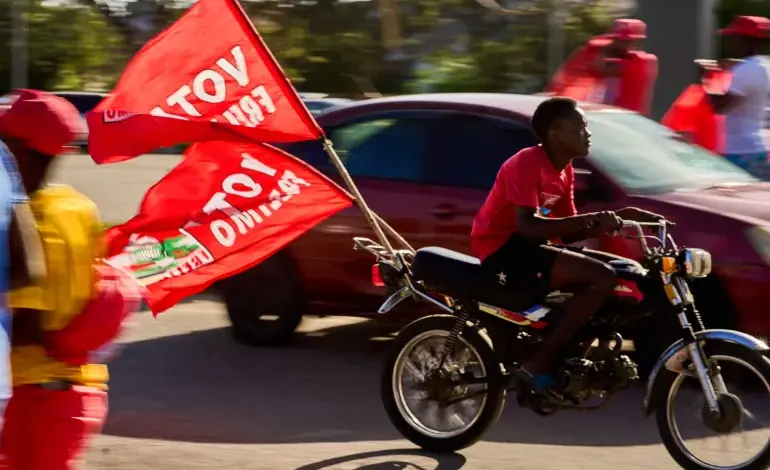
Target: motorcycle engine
x,y
582,378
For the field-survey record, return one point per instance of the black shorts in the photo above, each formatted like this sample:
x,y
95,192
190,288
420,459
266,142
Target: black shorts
x,y
524,264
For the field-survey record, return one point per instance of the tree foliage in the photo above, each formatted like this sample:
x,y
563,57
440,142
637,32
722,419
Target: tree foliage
x,y
339,47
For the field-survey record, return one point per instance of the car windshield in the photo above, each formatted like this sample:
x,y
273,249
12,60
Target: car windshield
x,y
645,157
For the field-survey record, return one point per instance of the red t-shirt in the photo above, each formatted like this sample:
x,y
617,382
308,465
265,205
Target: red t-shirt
x,y
526,179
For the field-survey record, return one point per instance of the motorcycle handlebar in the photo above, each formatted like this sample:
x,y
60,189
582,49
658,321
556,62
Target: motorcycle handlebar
x,y
662,234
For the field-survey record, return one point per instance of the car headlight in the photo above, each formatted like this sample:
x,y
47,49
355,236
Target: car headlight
x,y
696,262
759,238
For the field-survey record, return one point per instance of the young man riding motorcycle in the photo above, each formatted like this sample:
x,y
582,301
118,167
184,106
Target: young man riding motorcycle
x,y
529,211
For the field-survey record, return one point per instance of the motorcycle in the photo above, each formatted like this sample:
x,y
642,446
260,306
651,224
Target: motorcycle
x,y
464,361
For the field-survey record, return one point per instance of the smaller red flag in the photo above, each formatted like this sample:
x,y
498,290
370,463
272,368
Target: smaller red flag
x,y
208,76
223,209
692,113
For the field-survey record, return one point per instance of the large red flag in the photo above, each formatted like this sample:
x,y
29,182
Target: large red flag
x,y
224,209
208,76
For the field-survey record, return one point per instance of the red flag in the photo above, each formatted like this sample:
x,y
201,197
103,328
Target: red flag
x,y
208,76
692,113
224,209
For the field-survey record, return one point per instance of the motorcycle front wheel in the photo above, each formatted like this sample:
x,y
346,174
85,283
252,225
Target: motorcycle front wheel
x,y
427,399
737,420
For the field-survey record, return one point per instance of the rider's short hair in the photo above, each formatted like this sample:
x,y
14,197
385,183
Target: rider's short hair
x,y
548,112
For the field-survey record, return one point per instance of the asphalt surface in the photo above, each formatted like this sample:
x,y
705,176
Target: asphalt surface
x,y
185,396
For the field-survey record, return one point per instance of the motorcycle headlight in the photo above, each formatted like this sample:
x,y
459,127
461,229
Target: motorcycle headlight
x,y
696,262
759,238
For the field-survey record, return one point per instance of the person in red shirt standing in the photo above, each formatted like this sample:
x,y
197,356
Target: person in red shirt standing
x,y
611,69
531,206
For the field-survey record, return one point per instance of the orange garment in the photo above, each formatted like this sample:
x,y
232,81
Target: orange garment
x,y
692,113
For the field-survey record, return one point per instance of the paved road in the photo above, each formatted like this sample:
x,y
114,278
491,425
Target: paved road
x,y
117,188
184,396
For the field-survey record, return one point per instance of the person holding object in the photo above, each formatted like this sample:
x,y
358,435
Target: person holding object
x,y
610,69
61,323
743,103
529,212
693,116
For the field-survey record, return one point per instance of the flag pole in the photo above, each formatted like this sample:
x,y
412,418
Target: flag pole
x,y
373,219
370,216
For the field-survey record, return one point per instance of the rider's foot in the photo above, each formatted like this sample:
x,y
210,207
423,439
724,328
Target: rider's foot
x,y
544,384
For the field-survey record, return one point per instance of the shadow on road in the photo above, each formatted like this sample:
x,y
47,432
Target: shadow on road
x,y
203,387
445,462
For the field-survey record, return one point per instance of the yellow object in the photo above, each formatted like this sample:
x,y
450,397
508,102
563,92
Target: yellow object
x,y
668,265
70,230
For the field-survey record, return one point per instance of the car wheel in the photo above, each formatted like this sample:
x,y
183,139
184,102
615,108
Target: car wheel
x,y
265,303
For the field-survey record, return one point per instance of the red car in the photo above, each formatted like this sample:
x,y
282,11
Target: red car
x,y
425,164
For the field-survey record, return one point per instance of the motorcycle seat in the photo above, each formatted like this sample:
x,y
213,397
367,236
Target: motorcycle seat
x,y
447,271
459,275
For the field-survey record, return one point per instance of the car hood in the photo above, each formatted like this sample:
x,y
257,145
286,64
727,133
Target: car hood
x,y
740,200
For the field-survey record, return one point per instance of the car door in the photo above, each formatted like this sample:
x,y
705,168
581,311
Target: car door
x,y
383,154
466,152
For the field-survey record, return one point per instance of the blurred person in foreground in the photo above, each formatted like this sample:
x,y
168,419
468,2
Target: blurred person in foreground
x,y
17,237
522,229
743,103
611,69
62,323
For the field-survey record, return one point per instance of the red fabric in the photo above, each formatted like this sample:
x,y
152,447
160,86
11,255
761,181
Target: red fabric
x,y
526,179
23,113
224,209
118,296
580,77
752,26
638,75
693,114
50,429
211,53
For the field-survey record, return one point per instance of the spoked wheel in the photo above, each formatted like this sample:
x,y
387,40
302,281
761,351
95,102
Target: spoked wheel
x,y
737,439
442,405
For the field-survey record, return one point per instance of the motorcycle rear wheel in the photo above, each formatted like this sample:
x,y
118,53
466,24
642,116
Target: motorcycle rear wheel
x,y
394,402
683,457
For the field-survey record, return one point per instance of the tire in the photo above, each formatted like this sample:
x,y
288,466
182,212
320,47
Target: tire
x,y
496,388
663,386
271,288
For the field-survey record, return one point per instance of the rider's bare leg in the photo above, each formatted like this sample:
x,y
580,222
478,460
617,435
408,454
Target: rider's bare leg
x,y
591,283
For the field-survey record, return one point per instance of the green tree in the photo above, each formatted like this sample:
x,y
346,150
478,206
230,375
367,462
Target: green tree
x,y
68,47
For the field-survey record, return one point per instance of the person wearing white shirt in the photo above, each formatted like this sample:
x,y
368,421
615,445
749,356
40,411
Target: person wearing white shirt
x,y
743,105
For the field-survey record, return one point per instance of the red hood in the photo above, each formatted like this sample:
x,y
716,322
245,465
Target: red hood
x,y
739,202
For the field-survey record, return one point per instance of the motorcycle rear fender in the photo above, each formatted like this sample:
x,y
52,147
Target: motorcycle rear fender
x,y
406,291
673,358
